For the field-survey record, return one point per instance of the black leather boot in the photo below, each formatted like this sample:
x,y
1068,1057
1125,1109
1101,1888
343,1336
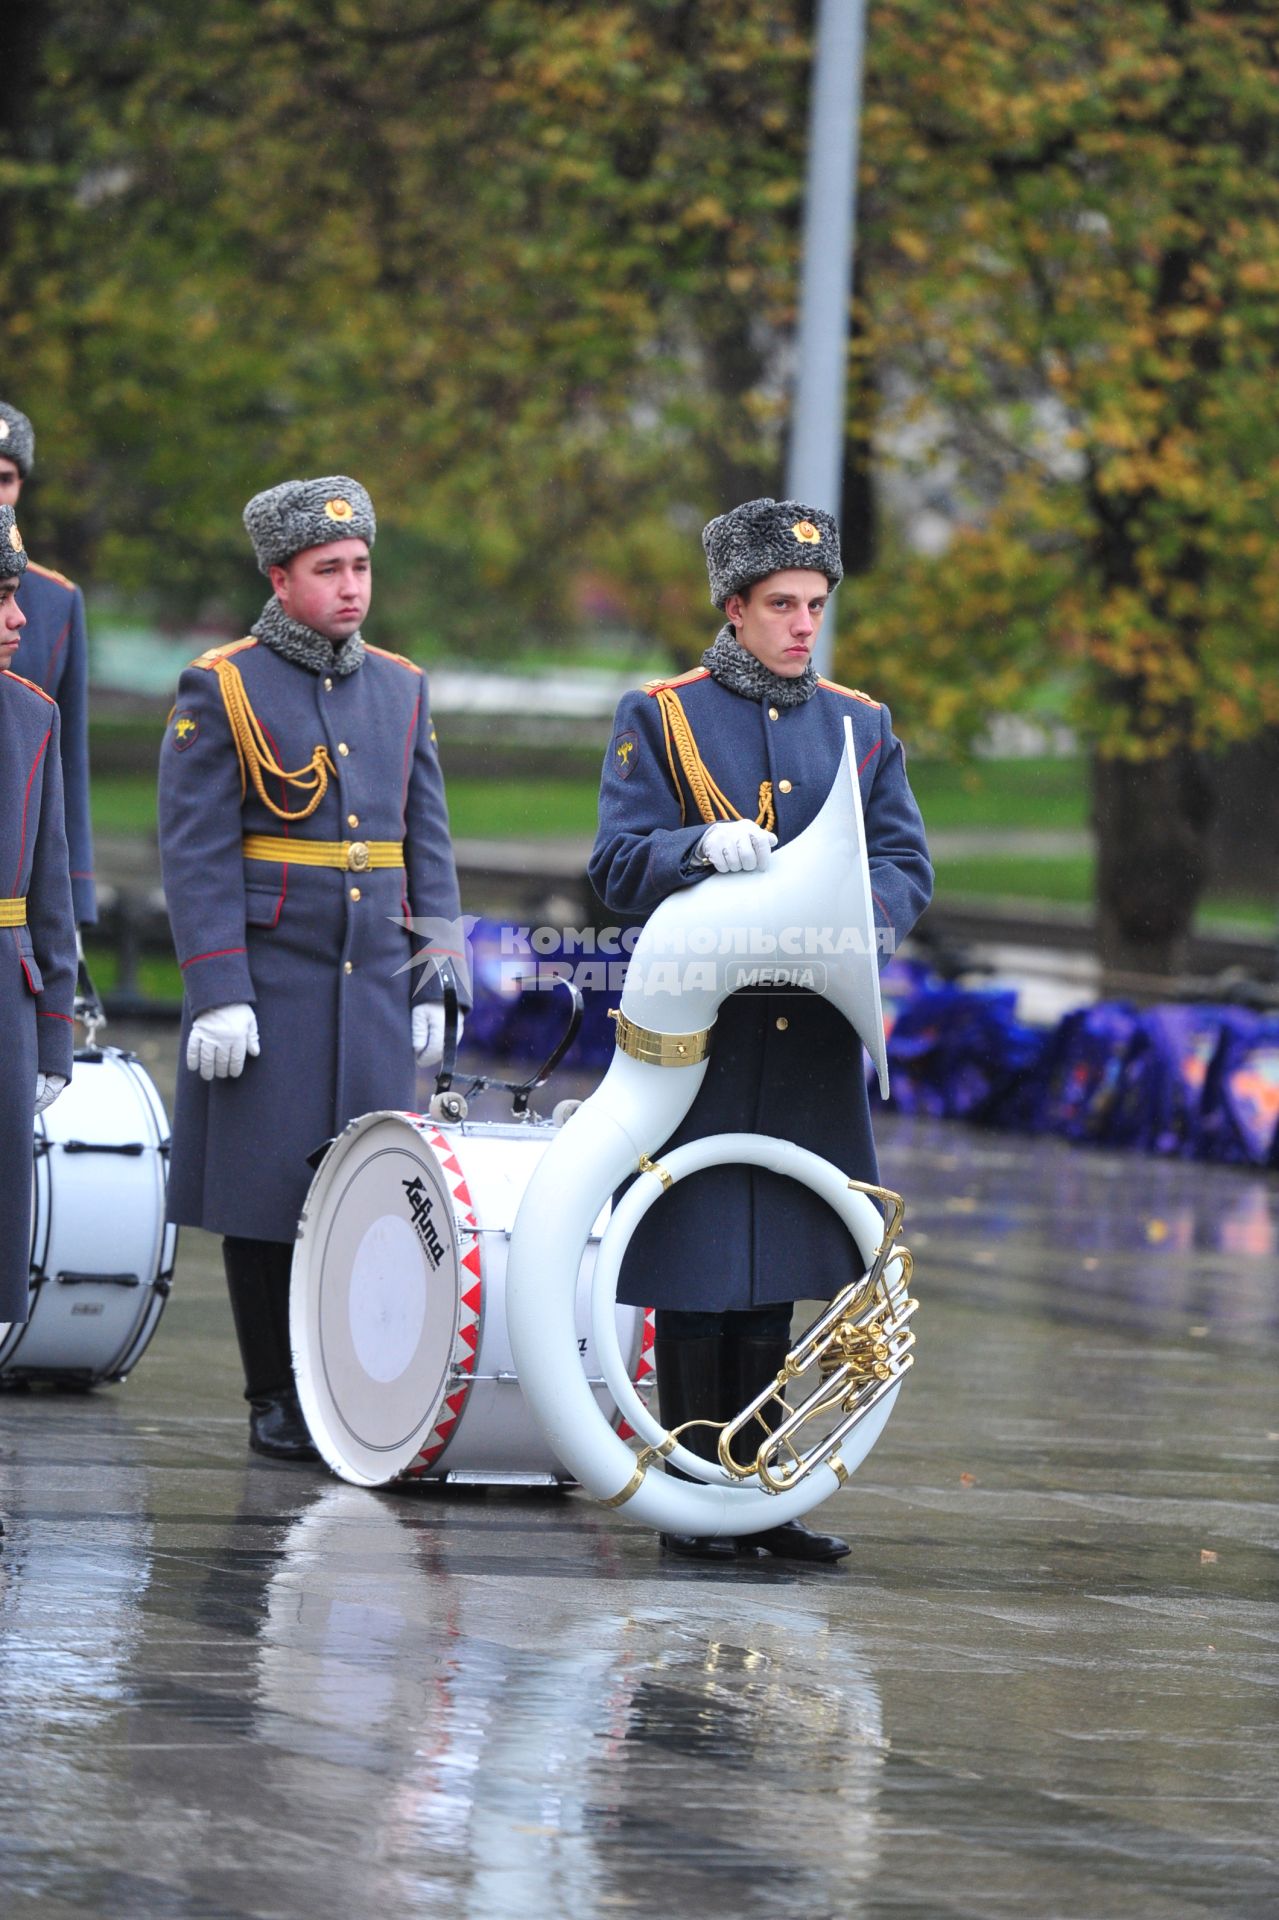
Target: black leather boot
x,y
749,1363
690,1387
257,1276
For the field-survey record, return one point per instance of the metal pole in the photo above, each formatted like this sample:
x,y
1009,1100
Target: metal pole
x,y
815,465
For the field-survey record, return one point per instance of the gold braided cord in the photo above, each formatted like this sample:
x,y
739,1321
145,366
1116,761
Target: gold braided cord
x,y
255,756
708,796
13,913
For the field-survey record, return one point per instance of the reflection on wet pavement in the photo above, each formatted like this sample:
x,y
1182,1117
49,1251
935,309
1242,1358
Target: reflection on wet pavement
x,y
1044,1684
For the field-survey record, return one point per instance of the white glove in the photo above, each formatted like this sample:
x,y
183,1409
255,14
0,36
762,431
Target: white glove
x,y
221,1039
736,846
428,1032
48,1087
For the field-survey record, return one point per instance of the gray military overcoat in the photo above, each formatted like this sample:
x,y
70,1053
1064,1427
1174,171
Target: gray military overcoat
x,y
54,652
38,968
315,950
781,1062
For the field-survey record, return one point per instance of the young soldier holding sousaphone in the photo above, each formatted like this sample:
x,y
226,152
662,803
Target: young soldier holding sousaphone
x,y
37,929
707,773
302,821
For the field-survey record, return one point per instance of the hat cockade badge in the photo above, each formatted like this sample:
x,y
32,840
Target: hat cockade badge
x,y
15,538
339,509
805,530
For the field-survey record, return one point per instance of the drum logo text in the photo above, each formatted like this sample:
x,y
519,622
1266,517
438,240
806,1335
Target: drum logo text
x,y
420,1206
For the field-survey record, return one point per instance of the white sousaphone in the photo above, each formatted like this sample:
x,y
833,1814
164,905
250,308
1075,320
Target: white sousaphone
x,y
687,960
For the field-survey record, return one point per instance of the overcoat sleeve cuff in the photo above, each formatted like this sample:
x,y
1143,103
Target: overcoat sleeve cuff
x,y
219,979
84,900
55,1043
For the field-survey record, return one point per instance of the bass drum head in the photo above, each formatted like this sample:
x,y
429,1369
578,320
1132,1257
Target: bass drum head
x,y
375,1299
102,1252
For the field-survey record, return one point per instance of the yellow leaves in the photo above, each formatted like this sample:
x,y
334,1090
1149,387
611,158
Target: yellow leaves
x,y
707,211
911,244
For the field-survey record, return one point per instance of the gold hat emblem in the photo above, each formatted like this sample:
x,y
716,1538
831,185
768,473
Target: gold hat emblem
x,y
339,509
805,530
15,538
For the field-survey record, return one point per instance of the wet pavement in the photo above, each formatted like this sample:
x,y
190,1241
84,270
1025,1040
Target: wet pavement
x,y
1046,1683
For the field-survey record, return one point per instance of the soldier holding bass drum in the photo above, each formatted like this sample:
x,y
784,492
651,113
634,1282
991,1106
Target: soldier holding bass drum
x,y
302,821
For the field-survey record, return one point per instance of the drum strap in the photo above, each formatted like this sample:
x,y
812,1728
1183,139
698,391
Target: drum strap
x,y
13,913
352,856
255,756
708,797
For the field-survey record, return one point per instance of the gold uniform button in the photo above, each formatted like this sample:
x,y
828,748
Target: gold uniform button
x,y
343,749
355,893
782,1023
346,966
328,684
772,713
352,819
783,786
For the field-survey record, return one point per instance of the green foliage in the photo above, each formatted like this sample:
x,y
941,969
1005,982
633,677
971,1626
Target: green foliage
x,y
1073,214
523,267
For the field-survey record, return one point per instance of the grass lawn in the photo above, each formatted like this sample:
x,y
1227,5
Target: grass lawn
x,y
996,793
1028,794
1032,795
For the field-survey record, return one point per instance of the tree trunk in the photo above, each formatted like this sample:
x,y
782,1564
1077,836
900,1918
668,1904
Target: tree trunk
x,y
1245,825
1151,821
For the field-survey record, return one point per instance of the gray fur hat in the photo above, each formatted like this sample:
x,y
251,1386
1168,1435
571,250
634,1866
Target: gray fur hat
x,y
17,439
13,555
767,536
307,513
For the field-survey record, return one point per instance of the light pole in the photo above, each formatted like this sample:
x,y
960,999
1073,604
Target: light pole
x,y
815,463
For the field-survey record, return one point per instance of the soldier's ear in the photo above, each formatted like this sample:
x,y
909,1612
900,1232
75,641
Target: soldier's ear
x,y
279,578
733,610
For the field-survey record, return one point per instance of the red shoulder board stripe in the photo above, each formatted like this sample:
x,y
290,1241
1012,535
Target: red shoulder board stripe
x,y
400,659
853,693
680,680
10,674
48,573
211,654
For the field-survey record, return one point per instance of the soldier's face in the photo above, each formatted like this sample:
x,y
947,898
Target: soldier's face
x,y
327,588
10,483
12,621
780,622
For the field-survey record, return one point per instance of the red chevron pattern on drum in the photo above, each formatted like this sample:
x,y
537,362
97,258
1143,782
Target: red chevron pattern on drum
x,y
645,1374
467,1339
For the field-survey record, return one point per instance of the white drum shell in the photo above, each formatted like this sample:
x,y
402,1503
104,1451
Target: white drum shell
x,y
403,1359
102,1252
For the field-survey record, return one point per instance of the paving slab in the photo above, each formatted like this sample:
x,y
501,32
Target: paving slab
x,y
1046,1683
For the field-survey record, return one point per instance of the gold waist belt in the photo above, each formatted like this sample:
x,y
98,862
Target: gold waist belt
x,y
13,913
350,856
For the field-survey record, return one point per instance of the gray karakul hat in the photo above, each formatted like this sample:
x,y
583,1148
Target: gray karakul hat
x,y
17,439
13,555
307,513
767,536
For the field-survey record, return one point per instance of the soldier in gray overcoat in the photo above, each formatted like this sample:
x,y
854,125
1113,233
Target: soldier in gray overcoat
x,y
302,818
725,1254
37,931
55,655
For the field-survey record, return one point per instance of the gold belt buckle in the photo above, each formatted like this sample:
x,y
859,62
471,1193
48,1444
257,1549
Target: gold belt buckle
x,y
358,856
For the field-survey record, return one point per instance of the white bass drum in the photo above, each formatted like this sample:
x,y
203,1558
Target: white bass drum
x,y
101,1251
398,1306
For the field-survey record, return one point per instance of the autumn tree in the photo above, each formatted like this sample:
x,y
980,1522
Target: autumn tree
x,y
1075,220
528,268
